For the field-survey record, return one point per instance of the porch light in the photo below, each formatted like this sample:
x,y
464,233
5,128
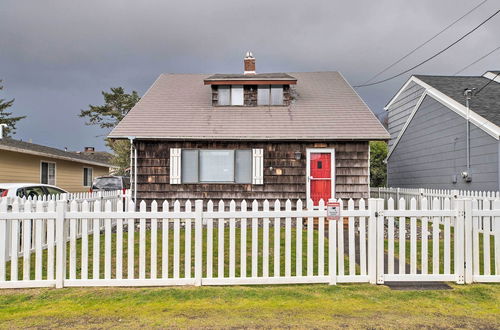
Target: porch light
x,y
298,155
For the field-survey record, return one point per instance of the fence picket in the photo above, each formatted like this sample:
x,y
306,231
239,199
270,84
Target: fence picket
x,y
14,248
3,238
177,241
288,240
72,242
107,242
486,241
413,238
154,241
390,238
265,242
340,241
475,239
232,241
210,241
220,251
277,240
321,240
119,242
310,246
38,243
130,242
164,240
362,239
26,229
435,238
187,242
96,242
51,207
402,239
298,241
243,241
424,234
352,242
496,228
255,241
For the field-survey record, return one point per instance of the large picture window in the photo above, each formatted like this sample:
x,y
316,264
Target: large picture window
x,y
48,173
216,166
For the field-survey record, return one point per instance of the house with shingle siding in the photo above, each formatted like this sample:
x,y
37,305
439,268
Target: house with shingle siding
x,y
250,136
437,142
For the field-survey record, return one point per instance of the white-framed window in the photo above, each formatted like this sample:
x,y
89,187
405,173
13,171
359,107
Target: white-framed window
x,y
87,176
48,172
270,95
216,166
230,95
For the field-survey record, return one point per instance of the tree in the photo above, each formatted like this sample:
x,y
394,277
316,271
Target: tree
x,y
6,117
116,105
378,166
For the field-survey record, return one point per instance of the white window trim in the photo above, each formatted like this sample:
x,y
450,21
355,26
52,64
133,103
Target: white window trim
x,y
91,177
252,167
308,170
55,170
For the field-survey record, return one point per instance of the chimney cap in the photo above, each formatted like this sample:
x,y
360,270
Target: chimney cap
x,y
249,55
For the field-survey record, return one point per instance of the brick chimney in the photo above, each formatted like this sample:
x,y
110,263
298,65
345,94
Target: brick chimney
x,y
249,63
89,149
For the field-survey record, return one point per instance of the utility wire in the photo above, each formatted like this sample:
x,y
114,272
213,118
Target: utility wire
x,y
479,59
426,42
489,82
433,56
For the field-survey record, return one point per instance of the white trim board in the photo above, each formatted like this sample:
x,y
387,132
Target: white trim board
x,y
477,120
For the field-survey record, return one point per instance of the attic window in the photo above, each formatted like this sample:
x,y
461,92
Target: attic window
x,y
230,95
270,95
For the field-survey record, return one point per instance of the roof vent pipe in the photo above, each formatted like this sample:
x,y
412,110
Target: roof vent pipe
x,y
1,130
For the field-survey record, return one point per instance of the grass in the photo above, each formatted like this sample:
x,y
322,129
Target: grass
x,y
311,306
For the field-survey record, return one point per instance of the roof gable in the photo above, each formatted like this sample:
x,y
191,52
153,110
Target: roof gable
x,y
178,106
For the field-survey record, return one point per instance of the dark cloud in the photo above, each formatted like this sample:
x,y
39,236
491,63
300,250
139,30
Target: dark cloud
x,y
56,56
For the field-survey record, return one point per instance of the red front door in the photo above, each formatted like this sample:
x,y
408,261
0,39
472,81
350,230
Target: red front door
x,y
320,177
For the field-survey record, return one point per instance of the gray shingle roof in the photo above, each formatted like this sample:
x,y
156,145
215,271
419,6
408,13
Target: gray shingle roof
x,y
97,158
485,104
179,106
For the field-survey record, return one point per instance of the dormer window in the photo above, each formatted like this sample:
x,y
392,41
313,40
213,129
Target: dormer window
x,y
251,89
270,95
230,95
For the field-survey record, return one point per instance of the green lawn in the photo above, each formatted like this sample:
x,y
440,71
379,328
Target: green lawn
x,y
312,306
182,254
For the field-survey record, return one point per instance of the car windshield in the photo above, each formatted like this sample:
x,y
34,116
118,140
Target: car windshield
x,y
107,183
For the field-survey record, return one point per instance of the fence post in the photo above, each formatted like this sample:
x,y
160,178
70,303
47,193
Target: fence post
x,y
454,196
459,240
198,249
372,240
3,240
380,241
60,243
468,262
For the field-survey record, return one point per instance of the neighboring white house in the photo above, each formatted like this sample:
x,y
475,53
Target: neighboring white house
x,y
431,146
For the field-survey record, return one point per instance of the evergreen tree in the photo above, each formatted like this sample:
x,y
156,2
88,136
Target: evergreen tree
x,y
6,117
116,105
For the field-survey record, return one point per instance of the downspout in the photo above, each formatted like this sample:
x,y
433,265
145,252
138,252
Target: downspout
x,y
133,177
467,94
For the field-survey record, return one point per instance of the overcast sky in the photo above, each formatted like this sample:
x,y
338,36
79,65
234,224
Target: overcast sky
x,y
57,56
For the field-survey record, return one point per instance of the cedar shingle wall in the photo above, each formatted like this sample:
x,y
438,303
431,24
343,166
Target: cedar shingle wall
x,y
351,172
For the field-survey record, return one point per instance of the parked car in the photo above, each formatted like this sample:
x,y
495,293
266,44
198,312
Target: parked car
x,y
110,182
28,190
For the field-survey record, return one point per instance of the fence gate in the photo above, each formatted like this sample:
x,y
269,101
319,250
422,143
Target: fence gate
x,y
420,244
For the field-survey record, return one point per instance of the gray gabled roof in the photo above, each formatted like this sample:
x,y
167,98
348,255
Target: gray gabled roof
x,y
99,158
179,106
485,104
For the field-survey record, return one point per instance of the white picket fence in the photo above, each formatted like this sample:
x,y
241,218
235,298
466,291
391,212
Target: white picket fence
x,y
41,204
432,194
246,244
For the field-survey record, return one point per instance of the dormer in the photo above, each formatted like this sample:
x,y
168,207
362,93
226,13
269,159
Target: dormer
x,y
251,89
